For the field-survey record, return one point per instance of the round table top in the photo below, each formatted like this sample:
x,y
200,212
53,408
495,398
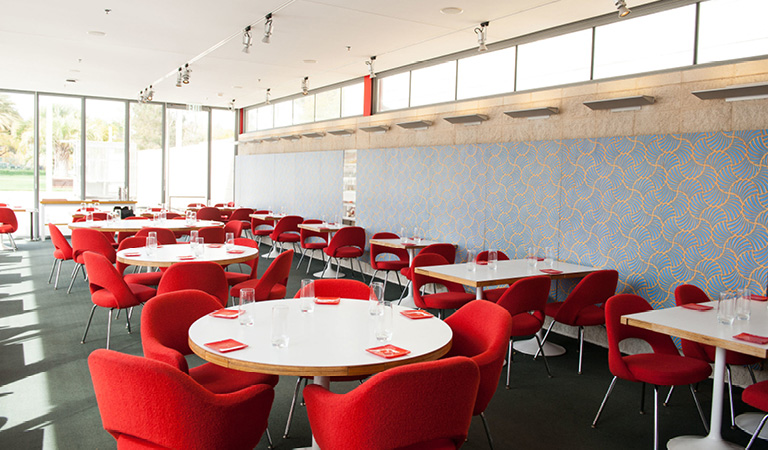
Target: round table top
x,y
330,341
136,225
168,255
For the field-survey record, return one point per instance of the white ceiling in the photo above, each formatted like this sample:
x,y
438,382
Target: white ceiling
x,y
45,42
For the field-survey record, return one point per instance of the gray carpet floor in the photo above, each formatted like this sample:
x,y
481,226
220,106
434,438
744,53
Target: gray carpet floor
x,y
47,400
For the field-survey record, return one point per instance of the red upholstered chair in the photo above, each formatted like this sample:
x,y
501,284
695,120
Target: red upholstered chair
x,y
172,215
271,285
662,367
234,226
261,228
109,290
416,406
88,240
62,252
492,295
140,401
8,226
525,301
234,278
447,251
124,234
204,276
688,293
209,213
242,215
286,230
165,322
196,205
756,396
388,265
347,243
211,235
164,235
311,240
481,332
454,298
580,308
145,278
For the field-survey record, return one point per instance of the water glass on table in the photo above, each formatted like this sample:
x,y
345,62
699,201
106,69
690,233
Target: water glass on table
x,y
280,336
247,296
229,241
471,266
743,304
307,295
151,243
200,247
384,322
493,259
375,298
549,257
530,257
403,236
725,308
89,216
188,218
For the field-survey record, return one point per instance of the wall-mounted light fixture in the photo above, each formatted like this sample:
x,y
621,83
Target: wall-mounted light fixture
x,y
247,40
186,74
305,86
267,29
482,36
621,5
268,94
369,63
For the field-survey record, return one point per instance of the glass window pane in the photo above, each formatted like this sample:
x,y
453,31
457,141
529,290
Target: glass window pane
x,y
304,109
731,29
433,84
187,157
487,74
283,114
222,156
145,157
17,149
627,47
328,105
394,91
251,119
266,117
352,100
60,147
104,148
558,60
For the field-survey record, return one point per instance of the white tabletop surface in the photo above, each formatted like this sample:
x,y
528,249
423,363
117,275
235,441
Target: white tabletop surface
x,y
506,272
167,255
330,341
270,216
407,243
136,225
322,227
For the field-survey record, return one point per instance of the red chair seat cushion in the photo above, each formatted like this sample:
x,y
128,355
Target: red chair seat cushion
x,y
277,292
260,232
58,254
105,299
406,272
392,265
493,295
756,395
314,245
6,228
221,380
348,252
234,278
288,237
448,300
590,315
526,324
145,278
667,370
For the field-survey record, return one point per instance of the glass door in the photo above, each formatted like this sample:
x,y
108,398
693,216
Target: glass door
x,y
187,166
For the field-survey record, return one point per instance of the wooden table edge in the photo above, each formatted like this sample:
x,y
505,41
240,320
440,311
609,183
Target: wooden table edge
x,y
330,371
483,283
133,262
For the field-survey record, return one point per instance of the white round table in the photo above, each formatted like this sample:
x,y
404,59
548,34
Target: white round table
x,y
136,225
168,255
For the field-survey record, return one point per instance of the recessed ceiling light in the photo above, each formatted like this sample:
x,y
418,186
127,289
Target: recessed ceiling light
x,y
237,87
451,10
310,61
97,33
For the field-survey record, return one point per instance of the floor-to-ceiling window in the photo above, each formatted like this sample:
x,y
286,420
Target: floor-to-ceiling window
x,y
222,156
60,149
17,149
187,134
146,154
104,148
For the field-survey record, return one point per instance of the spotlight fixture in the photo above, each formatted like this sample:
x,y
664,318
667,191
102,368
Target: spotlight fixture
x,y
179,78
186,74
481,32
267,28
369,63
146,95
305,86
269,91
232,105
150,94
621,5
247,40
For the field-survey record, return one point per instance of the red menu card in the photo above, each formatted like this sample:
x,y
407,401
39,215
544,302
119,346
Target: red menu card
x,y
225,313
227,345
752,338
327,300
416,314
388,351
696,307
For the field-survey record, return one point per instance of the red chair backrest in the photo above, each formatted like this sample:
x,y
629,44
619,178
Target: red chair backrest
x,y
103,275
288,224
481,331
252,263
306,234
130,242
430,259
165,322
376,250
241,214
620,305
347,237
140,399
593,289
211,235
204,276
684,294
195,205
526,295
90,240
209,213
164,235
172,215
235,227
340,288
276,273
413,406
483,256
447,251
60,242
260,223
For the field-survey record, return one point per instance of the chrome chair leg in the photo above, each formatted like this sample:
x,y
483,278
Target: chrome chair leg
x,y
302,258
544,341
74,274
58,272
293,407
730,395
541,349
373,277
270,445
752,374
602,405
757,432
698,407
360,265
88,325
109,327
642,398
487,430
53,267
581,346
327,265
655,417
669,395
509,361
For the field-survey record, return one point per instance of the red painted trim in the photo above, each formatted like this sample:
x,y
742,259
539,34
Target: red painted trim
x,y
240,120
367,95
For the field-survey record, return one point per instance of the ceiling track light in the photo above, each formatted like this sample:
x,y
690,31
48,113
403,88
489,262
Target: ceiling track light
x,y
305,86
369,63
187,72
179,78
150,94
232,105
621,5
247,40
267,29
482,35
269,91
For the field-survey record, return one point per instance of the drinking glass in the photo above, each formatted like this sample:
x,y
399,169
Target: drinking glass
x,y
82,206
384,321
743,304
96,205
493,258
200,249
416,235
548,257
471,266
163,215
151,243
725,308
193,215
156,217
192,236
403,236
229,241
280,336
247,296
307,295
530,257
115,216
375,298
89,216
188,218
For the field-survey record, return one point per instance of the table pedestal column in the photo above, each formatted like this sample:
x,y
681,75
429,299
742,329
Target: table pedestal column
x,y
408,299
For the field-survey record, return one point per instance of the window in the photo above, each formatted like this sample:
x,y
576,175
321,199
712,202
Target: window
x,y
487,74
731,29
145,157
328,105
266,117
104,148
394,91
187,157
558,60
304,109
17,149
433,84
251,119
283,114
60,146
352,99
628,47
350,184
222,156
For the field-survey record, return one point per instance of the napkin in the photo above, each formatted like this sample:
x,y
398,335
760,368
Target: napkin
x,y
759,298
327,300
225,313
551,271
416,314
388,351
132,254
227,345
215,245
236,251
696,307
186,257
481,263
752,338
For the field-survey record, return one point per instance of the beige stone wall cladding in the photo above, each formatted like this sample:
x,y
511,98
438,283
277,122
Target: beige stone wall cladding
x,y
675,111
